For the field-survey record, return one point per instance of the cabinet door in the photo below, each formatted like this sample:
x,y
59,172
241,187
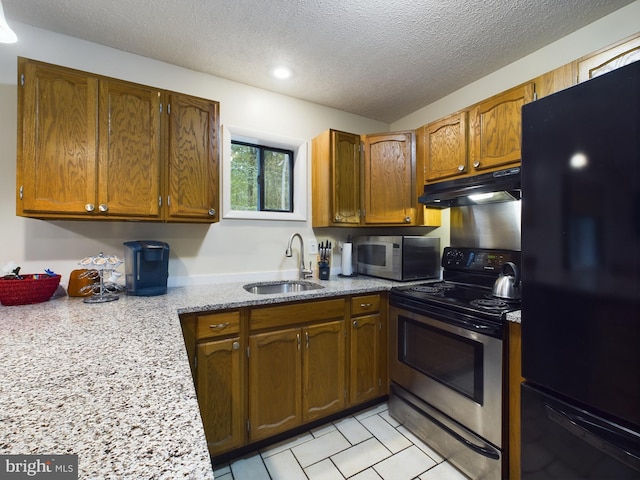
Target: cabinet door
x,y
129,167
495,129
275,377
346,178
57,140
365,377
219,389
193,165
609,59
323,366
389,178
445,147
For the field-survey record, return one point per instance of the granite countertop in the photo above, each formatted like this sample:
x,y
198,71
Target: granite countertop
x,y
111,382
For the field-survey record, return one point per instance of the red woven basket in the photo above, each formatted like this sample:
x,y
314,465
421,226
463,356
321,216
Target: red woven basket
x,y
33,288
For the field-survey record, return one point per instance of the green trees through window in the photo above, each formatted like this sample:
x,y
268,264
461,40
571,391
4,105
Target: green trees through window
x,y
261,178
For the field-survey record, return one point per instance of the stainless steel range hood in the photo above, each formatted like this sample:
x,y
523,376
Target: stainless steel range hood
x,y
500,186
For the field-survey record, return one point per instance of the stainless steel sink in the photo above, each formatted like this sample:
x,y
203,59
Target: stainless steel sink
x,y
283,286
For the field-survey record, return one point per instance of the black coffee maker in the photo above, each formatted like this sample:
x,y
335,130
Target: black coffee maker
x,y
146,267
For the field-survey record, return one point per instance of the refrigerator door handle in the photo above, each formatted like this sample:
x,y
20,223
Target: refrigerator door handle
x,y
605,439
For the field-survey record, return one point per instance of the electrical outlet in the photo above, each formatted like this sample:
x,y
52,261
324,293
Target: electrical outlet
x,y
313,247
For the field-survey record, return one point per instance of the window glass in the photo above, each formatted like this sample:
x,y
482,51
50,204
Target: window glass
x,y
283,166
261,178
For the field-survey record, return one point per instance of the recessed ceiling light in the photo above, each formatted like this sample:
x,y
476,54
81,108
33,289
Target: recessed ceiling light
x,y
281,73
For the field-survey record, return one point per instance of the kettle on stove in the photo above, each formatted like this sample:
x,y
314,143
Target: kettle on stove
x,y
507,286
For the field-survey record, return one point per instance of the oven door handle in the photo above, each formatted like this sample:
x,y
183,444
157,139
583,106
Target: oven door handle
x,y
485,449
456,431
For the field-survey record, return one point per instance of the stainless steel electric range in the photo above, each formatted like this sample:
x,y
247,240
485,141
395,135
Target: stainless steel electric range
x,y
446,362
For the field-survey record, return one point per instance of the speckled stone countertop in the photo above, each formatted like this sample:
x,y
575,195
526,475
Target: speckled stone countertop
x,y
111,382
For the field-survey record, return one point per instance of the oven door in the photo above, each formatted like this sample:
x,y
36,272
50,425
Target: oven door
x,y
456,370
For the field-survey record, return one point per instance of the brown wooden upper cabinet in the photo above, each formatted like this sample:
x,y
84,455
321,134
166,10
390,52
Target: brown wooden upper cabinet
x,y
603,61
93,147
444,144
495,127
336,179
366,180
193,166
389,195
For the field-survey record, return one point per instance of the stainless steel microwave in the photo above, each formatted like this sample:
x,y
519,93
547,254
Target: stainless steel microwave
x,y
398,257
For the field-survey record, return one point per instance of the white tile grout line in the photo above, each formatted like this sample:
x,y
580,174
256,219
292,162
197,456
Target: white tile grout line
x,y
372,413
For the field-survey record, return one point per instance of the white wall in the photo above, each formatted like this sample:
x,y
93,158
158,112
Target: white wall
x,y
199,253
230,249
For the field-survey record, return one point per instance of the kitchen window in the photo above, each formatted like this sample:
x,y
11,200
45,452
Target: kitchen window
x,y
261,178
264,176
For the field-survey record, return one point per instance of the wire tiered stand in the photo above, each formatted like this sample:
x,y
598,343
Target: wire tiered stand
x,y
102,272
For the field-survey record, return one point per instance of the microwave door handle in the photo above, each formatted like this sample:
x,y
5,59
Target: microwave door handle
x,y
607,440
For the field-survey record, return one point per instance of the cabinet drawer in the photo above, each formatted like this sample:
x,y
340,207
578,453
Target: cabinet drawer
x,y
365,304
217,324
296,313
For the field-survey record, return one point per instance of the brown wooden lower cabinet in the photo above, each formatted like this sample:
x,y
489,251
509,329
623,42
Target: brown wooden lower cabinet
x,y
220,387
323,370
365,381
262,371
275,379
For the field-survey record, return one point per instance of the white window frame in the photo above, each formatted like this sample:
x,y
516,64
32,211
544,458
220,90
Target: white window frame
x,y
300,150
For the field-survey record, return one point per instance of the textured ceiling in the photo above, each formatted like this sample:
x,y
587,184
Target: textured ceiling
x,y
381,59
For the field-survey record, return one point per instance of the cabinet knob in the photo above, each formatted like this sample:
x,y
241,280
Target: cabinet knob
x,y
355,323
460,168
476,164
89,207
212,212
337,219
103,207
235,345
407,219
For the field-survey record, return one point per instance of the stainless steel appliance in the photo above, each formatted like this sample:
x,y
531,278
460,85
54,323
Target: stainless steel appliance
x,y
398,257
581,281
146,267
493,187
446,359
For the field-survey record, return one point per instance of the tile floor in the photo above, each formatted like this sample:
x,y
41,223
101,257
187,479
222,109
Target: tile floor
x,y
369,445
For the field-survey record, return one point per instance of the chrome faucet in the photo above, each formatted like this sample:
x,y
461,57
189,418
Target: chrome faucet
x,y
304,272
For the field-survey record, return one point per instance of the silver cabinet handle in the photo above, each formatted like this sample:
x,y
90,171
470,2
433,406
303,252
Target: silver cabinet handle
x,y
366,305
306,334
89,207
235,345
407,219
219,325
298,337
355,324
476,163
460,168
212,212
103,207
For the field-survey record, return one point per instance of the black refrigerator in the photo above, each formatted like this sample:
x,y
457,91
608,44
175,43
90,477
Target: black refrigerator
x,y
581,281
